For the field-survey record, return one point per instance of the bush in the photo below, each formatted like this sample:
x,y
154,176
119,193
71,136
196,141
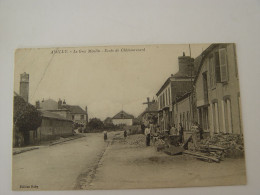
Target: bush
x,y
26,117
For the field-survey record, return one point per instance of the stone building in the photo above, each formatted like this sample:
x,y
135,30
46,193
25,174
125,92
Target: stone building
x,y
71,112
217,90
173,88
53,126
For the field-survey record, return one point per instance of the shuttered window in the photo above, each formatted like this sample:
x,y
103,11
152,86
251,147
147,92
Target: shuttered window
x,y
223,65
217,67
212,72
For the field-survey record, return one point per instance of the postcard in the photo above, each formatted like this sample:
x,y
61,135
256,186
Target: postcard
x,y
127,117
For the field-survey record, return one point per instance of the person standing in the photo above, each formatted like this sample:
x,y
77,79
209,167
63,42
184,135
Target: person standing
x,y
180,133
105,135
142,128
147,133
125,133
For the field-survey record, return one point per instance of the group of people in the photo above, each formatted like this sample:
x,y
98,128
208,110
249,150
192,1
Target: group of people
x,y
197,132
105,134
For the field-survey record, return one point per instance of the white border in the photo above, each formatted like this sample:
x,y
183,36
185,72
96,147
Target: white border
x,y
51,23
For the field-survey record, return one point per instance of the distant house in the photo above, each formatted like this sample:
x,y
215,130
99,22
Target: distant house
x,y
71,112
123,118
108,120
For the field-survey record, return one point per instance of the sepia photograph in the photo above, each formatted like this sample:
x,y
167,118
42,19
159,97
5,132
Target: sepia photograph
x,y
127,117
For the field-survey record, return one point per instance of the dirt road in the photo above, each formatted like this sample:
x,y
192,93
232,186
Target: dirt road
x,y
58,167
130,164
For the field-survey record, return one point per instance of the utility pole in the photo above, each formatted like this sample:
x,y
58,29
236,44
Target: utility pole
x,y
191,93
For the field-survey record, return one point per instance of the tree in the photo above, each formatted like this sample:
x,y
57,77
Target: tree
x,y
26,117
95,124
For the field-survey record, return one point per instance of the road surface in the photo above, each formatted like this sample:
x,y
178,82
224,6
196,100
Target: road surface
x,y
58,167
91,163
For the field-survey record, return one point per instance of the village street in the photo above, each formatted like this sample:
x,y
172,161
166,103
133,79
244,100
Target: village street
x,y
91,163
58,167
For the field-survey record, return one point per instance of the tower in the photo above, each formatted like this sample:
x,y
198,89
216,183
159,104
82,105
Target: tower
x,y
24,86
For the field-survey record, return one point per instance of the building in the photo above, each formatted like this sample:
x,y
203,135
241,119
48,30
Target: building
x,y
150,114
52,125
71,112
173,88
123,118
182,111
217,90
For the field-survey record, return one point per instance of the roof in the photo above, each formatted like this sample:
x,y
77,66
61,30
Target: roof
x,y
201,58
123,115
152,108
74,109
47,114
184,96
48,104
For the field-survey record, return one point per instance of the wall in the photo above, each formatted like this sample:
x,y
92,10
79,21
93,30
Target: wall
x,y
180,108
53,128
221,92
122,121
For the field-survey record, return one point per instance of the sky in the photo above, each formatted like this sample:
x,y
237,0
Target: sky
x,y
105,79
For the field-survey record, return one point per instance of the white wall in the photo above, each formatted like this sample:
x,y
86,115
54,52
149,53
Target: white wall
x,y
122,121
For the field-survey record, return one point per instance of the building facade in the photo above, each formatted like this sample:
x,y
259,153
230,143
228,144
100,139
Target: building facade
x,y
71,112
217,90
53,126
123,118
174,87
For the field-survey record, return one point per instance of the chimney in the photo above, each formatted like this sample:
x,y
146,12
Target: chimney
x,y
42,99
37,104
59,104
24,86
64,102
185,65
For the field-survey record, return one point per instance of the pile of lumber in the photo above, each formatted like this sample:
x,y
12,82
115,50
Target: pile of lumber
x,y
231,146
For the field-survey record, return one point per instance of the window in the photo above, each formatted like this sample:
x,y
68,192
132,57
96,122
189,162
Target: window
x,y
72,117
217,66
212,72
82,117
223,65
205,86
228,115
166,94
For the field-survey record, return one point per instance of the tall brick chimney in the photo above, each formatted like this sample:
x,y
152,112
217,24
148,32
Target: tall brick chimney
x,y
59,104
24,86
185,64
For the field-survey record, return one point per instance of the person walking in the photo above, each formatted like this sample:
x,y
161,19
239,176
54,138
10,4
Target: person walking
x,y
180,133
105,135
125,133
147,133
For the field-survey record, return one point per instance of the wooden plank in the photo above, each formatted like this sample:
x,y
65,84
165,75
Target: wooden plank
x,y
200,155
212,147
